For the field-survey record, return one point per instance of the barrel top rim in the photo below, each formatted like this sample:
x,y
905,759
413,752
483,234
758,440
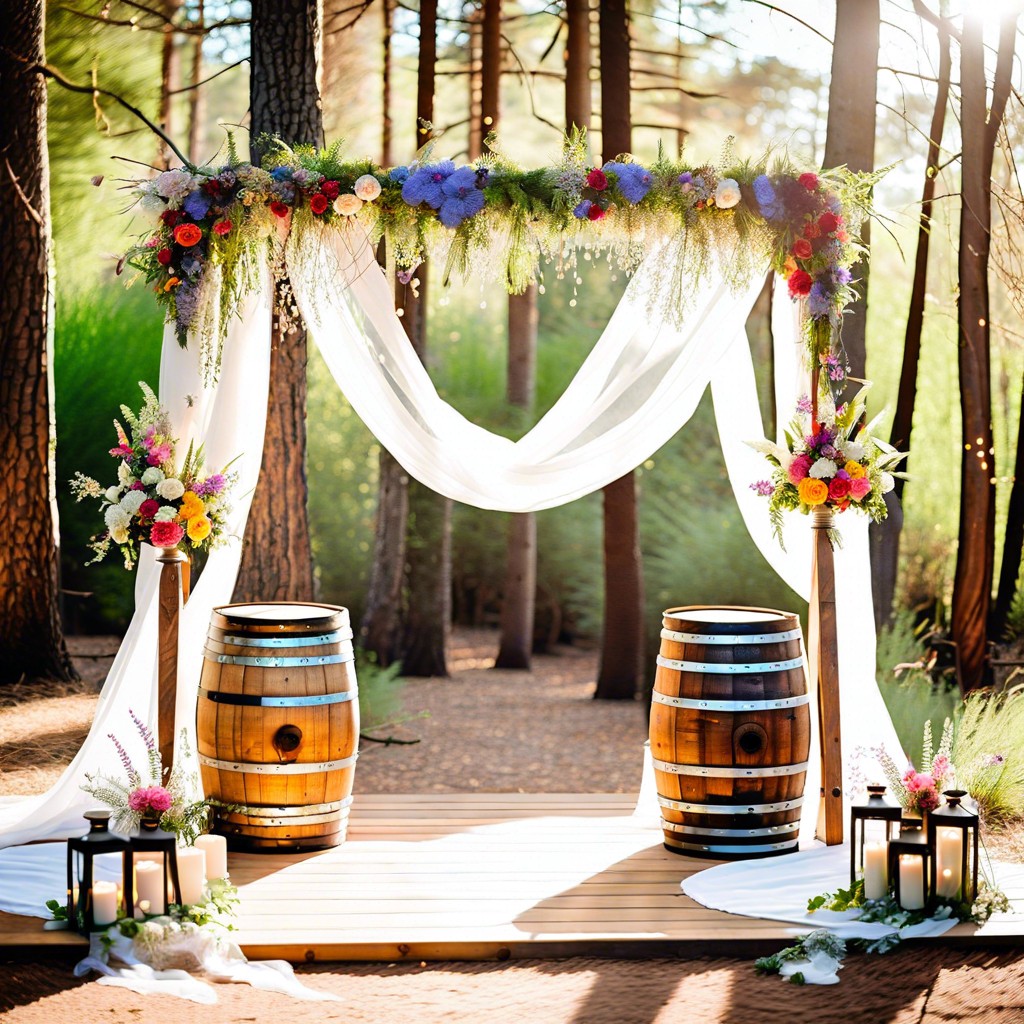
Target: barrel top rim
x,y
260,612
730,615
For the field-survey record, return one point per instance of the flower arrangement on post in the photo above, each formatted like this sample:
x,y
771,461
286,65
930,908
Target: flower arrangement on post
x,y
146,795
830,461
152,502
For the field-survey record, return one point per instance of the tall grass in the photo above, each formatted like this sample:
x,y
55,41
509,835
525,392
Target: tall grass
x,y
988,752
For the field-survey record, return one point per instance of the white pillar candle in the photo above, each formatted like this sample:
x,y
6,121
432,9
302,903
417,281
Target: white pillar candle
x,y
104,903
949,850
216,850
149,887
191,874
911,883
876,871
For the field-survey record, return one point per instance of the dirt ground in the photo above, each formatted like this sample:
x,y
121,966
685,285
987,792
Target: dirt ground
x,y
495,731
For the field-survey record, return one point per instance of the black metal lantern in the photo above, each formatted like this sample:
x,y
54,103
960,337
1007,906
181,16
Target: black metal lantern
x,y
84,892
151,896
910,858
953,835
871,824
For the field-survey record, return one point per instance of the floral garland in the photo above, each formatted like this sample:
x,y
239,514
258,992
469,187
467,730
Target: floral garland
x,y
214,225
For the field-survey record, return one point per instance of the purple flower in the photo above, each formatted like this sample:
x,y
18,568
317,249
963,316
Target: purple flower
x,y
186,303
803,404
285,191
829,451
686,178
841,275
424,184
301,175
582,209
405,273
190,266
483,175
764,193
211,485
461,197
197,205
819,302
763,487
993,760
634,181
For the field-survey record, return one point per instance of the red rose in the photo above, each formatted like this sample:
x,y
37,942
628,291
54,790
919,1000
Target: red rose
x,y
330,189
812,230
828,222
279,209
149,508
838,489
318,203
187,235
595,212
222,227
802,249
597,180
800,283
170,217
809,181
163,257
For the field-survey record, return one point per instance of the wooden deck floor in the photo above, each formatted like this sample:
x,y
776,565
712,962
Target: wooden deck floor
x,y
478,876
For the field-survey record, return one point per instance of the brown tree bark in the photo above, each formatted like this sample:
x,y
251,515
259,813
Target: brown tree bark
x,y
197,95
622,640
170,73
850,136
427,610
1013,539
885,536
277,561
31,639
578,99
980,123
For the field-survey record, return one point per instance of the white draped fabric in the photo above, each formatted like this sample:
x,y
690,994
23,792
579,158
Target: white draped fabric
x,y
640,384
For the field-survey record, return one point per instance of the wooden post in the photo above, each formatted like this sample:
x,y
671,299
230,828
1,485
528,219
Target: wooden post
x,y
823,654
174,588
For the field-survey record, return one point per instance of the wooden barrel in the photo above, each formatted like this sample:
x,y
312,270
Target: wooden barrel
x,y
730,731
277,724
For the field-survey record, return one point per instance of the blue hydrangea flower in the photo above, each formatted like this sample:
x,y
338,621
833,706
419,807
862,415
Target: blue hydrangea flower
x,y
634,181
841,275
424,184
582,209
462,198
399,174
197,205
282,173
764,193
819,301
285,191
190,266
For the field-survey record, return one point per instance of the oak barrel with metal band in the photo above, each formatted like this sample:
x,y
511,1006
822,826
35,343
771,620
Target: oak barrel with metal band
x,y
730,731
278,724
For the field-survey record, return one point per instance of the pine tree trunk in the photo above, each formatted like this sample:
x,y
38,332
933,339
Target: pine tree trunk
x,y
31,638
277,561
885,536
972,584
170,64
578,102
197,97
622,641
1013,541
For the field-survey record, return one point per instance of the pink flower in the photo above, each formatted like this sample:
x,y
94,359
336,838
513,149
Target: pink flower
x,y
122,451
928,798
149,798
149,508
799,468
859,488
165,535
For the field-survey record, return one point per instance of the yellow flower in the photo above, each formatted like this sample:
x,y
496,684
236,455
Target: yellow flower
x,y
789,268
191,506
855,469
199,528
813,491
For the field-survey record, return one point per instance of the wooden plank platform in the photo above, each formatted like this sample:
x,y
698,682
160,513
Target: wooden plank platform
x,y
480,876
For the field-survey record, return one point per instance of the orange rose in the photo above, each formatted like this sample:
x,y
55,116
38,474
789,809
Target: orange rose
x,y
187,234
855,469
813,491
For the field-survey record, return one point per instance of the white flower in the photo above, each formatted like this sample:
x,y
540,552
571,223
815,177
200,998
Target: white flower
x,y
174,184
853,451
112,494
116,518
119,534
727,194
347,204
152,475
886,482
124,475
165,514
171,488
367,188
132,502
152,203
824,469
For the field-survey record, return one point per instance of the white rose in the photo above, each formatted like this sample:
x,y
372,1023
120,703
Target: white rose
x,y
116,518
171,488
119,535
727,194
853,451
823,469
153,475
165,514
132,502
112,494
367,188
347,204
886,482
124,475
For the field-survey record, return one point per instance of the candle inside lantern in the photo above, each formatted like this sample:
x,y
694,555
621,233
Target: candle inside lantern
x,y
948,854
911,883
149,886
876,872
191,874
104,903
216,850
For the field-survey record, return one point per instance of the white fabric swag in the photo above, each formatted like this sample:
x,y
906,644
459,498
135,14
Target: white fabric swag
x,y
639,385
